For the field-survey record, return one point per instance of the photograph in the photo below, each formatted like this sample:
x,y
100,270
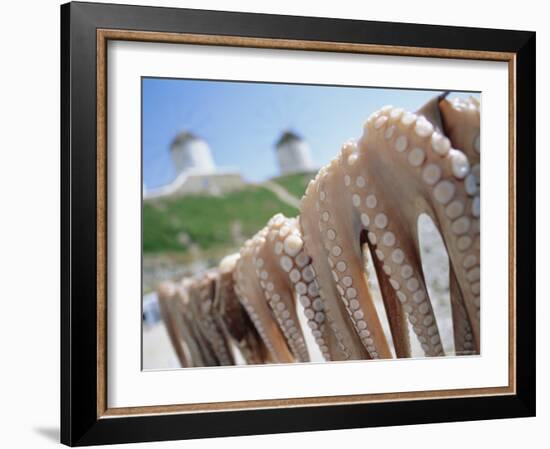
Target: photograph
x,y
295,223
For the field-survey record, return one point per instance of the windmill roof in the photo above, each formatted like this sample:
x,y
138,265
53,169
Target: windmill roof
x,y
287,136
183,137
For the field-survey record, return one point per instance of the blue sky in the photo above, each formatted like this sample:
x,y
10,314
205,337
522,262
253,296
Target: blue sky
x,y
241,121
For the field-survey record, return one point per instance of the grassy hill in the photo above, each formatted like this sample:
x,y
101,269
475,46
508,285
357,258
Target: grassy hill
x,y
205,222
296,183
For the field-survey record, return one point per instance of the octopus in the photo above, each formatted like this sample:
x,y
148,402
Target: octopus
x,y
308,274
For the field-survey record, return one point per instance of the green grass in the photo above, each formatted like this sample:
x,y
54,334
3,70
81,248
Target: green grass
x,y
296,183
208,222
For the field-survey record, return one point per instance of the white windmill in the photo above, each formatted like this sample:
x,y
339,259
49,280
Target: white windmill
x,y
191,152
195,169
293,154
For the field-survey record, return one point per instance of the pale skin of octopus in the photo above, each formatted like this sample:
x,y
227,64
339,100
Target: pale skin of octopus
x,y
368,198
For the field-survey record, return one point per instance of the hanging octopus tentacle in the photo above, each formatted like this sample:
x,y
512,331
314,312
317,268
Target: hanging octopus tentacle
x,y
195,342
433,181
339,242
232,317
271,259
201,294
178,332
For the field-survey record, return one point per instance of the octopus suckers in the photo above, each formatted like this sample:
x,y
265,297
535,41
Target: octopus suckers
x,y
406,271
459,164
380,121
418,296
416,157
371,201
388,239
423,127
295,275
381,220
302,259
476,144
408,118
401,143
402,297
454,209
372,238
475,207
413,284
471,185
463,243
444,191
440,144
395,284
431,174
286,263
398,256
395,113
301,288
469,261
293,245
423,308
460,226
427,321
341,266
352,158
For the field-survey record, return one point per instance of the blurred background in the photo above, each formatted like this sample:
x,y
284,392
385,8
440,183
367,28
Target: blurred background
x,y
220,158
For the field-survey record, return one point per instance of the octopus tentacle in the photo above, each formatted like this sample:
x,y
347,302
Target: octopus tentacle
x,y
178,333
342,342
250,291
392,230
231,316
392,237
201,353
339,238
201,293
434,174
462,331
285,276
395,312
459,120
280,270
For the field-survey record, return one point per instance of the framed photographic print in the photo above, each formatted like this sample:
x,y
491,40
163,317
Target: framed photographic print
x,y
274,224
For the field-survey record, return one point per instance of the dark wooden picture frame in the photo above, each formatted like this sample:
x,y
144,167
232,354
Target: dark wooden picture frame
x,y
85,30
